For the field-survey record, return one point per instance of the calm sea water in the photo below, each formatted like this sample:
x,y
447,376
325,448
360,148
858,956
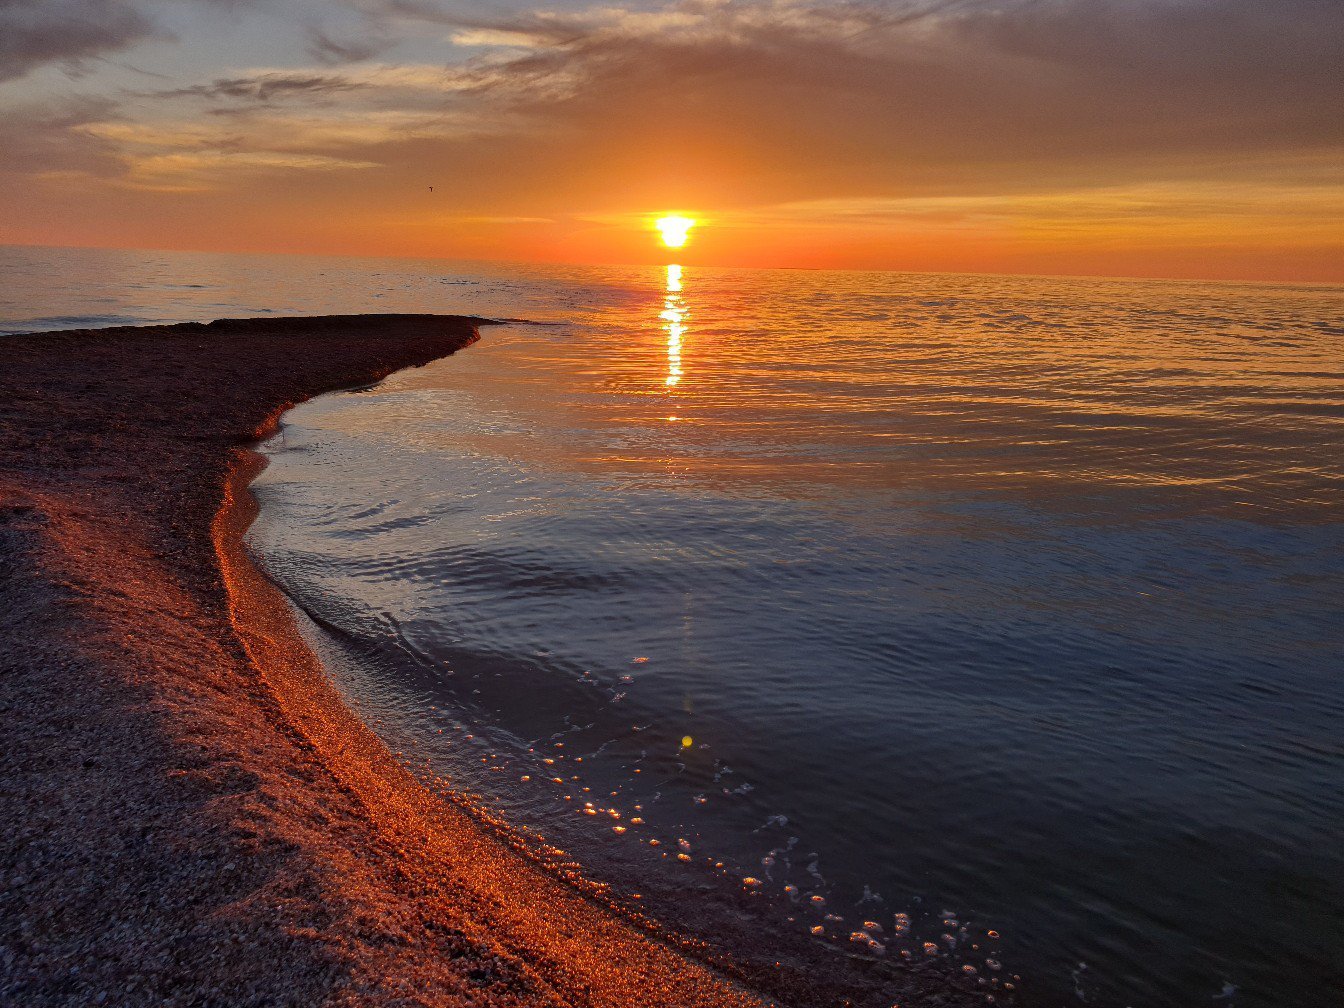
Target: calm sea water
x,y
942,604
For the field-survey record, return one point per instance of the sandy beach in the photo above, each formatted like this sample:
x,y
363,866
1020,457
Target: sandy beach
x,y
189,813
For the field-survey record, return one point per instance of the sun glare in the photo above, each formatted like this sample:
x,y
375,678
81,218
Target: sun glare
x,y
675,230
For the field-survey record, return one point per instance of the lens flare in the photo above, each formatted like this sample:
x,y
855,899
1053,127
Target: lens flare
x,y
675,230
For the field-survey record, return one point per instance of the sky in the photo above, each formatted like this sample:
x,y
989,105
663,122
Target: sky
x,y
1167,138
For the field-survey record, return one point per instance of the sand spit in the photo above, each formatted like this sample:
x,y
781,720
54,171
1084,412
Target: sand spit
x,y
189,815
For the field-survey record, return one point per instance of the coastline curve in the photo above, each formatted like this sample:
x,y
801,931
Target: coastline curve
x,y
168,833
576,948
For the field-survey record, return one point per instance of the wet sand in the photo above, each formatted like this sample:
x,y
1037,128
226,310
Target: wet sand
x,y
189,814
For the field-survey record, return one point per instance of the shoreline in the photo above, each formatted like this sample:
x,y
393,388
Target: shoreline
x,y
191,814
507,896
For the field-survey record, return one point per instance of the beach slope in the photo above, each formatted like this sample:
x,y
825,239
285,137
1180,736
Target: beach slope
x,y
188,814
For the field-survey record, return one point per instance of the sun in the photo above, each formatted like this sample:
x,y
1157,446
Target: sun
x,y
675,230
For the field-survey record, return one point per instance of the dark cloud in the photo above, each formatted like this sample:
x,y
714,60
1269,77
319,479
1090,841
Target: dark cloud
x,y
325,48
265,88
36,32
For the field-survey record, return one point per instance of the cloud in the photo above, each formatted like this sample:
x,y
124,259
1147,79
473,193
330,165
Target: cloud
x,y
405,83
906,93
199,171
49,136
325,48
265,87
494,37
307,131
741,102
737,103
37,32
291,120
1195,210
216,134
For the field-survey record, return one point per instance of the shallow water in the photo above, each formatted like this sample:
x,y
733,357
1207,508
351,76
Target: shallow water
x,y
1010,602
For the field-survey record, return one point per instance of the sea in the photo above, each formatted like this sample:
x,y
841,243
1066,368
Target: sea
x,y
896,623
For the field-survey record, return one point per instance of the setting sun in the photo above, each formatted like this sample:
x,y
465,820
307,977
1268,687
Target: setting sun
x,y
675,230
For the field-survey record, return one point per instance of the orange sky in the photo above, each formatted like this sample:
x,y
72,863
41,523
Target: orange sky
x,y
1191,138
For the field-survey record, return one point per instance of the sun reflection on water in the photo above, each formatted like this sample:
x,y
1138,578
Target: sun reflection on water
x,y
674,314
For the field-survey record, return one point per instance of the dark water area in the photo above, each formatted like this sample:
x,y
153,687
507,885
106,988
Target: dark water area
x,y
896,609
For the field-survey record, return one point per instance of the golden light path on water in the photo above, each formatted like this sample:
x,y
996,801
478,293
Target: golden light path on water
x,y
674,314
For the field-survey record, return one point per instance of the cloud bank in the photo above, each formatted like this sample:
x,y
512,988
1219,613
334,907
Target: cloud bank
x,y
739,106
37,32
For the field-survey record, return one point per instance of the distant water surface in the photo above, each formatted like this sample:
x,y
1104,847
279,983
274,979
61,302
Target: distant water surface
x,y
963,604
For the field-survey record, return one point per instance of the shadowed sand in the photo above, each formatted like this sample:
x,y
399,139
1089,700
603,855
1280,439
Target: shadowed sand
x,y
189,814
